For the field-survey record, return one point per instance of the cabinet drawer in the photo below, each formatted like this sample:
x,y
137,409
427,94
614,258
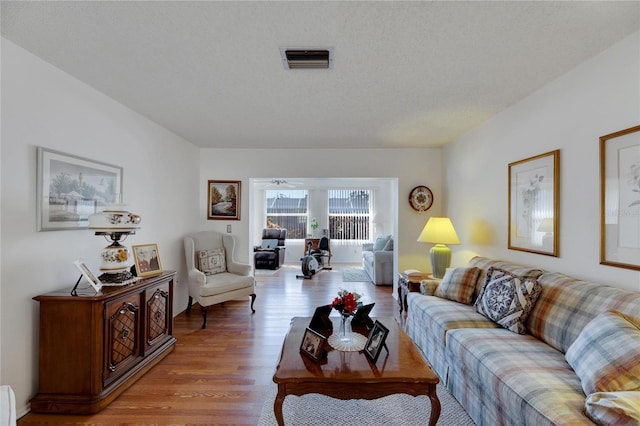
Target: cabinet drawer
x,y
122,334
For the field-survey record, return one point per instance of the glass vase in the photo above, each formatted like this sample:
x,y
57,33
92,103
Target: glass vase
x,y
344,333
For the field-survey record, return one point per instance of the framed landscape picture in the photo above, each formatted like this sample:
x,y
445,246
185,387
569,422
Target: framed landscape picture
x,y
223,199
534,200
71,188
620,199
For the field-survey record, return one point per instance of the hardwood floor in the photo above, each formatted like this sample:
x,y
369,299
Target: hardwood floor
x,y
220,375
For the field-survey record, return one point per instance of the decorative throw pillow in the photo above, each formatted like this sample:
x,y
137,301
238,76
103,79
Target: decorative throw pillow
x,y
389,245
507,299
614,408
380,243
212,261
458,284
606,354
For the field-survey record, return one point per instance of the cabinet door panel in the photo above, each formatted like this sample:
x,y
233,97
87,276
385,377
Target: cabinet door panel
x,y
122,334
157,316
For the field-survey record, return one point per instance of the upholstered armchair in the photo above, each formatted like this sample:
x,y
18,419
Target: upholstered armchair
x,y
214,274
270,254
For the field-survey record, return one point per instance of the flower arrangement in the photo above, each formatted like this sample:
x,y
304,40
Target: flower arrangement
x,y
314,224
347,302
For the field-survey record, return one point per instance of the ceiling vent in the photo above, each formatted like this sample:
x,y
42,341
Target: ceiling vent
x,y
300,58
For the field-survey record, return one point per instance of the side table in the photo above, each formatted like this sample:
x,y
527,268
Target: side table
x,y
407,285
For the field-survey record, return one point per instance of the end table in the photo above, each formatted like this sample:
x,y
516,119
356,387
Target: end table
x,y
406,285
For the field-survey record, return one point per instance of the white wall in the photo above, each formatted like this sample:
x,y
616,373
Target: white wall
x,y
411,167
42,106
598,97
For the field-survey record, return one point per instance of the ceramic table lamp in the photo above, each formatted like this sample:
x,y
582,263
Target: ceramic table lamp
x,y
439,231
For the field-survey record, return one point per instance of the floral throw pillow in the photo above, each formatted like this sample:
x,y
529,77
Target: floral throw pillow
x,y
507,299
212,261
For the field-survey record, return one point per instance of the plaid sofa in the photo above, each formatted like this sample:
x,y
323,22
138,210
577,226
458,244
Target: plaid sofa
x,y
504,378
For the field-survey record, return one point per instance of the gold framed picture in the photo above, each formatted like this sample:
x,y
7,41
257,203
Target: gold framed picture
x,y
147,260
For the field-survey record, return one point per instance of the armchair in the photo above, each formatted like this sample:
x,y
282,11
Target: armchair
x,y
271,253
214,274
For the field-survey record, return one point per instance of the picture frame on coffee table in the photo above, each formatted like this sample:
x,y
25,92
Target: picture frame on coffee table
x,y
313,344
620,199
223,199
376,341
534,204
70,188
146,258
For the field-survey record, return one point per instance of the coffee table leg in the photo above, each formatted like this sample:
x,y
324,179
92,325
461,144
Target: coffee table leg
x,y
277,406
435,406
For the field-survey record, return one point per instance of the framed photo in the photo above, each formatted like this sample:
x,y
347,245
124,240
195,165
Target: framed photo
x,y
376,341
147,259
320,320
620,199
223,199
312,344
534,203
70,188
89,276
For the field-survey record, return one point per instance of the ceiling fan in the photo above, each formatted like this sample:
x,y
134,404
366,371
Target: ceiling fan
x,y
280,183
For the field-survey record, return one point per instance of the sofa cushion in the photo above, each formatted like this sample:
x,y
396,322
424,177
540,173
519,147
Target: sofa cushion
x,y
614,408
389,245
567,304
504,378
380,242
606,354
458,284
212,261
507,299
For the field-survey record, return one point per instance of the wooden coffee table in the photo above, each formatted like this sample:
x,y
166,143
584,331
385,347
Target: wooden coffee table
x,y
350,375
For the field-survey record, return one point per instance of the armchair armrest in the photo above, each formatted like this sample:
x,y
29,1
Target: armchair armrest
x,y
238,268
197,276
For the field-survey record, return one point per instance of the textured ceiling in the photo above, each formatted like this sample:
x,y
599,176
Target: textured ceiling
x,y
405,74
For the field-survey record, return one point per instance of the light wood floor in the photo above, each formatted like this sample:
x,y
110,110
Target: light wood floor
x,y
220,375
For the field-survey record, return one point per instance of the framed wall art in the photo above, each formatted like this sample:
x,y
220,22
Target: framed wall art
x,y
534,200
620,199
71,188
223,199
147,259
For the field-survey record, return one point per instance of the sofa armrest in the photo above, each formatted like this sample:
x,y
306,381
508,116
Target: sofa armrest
x,y
383,256
367,247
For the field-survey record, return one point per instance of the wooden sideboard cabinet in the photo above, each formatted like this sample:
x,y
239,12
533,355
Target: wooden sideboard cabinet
x,y
94,346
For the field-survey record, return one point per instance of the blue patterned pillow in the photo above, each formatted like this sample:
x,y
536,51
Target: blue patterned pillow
x,y
507,299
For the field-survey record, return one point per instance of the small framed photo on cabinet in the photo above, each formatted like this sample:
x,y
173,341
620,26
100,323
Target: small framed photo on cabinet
x,y
312,344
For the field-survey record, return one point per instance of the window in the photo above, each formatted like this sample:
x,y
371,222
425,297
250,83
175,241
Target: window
x,y
288,209
349,214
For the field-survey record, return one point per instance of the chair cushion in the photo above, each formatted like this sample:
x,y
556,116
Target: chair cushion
x,y
458,284
606,354
212,261
614,408
507,299
225,282
269,243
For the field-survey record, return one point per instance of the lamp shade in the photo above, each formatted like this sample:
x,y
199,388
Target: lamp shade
x,y
439,230
546,225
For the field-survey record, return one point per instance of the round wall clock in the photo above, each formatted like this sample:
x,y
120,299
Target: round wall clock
x,y
421,198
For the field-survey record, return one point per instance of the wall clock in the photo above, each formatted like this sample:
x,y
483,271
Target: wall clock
x,y
421,198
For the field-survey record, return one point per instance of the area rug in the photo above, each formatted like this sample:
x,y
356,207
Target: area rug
x,y
319,410
350,275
